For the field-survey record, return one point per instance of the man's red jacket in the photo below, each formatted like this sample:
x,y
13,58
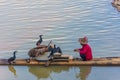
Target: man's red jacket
x,y
86,49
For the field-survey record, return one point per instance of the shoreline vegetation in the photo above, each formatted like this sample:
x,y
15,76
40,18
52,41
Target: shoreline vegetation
x,y
116,4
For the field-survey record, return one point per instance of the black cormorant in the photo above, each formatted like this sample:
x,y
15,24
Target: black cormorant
x,y
12,59
40,40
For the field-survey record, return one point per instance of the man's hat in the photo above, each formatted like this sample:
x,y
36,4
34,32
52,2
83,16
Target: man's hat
x,y
83,40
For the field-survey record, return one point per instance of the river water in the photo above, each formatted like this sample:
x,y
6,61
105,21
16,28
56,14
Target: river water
x,y
63,21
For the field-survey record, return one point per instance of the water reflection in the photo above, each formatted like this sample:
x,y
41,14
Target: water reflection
x,y
39,72
44,72
12,69
84,72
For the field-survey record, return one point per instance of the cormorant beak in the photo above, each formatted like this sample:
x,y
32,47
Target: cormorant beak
x,y
15,51
40,35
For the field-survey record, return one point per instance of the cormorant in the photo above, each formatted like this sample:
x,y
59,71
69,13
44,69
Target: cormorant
x,y
54,50
40,40
12,59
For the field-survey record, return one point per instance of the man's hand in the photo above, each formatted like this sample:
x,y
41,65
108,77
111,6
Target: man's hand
x,y
76,50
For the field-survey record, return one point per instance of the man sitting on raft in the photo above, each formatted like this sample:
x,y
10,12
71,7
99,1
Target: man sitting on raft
x,y
85,51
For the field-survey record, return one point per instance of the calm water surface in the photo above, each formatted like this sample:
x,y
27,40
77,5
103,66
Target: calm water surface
x,y
63,21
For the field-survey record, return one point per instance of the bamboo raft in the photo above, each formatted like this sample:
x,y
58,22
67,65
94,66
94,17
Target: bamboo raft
x,y
105,61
